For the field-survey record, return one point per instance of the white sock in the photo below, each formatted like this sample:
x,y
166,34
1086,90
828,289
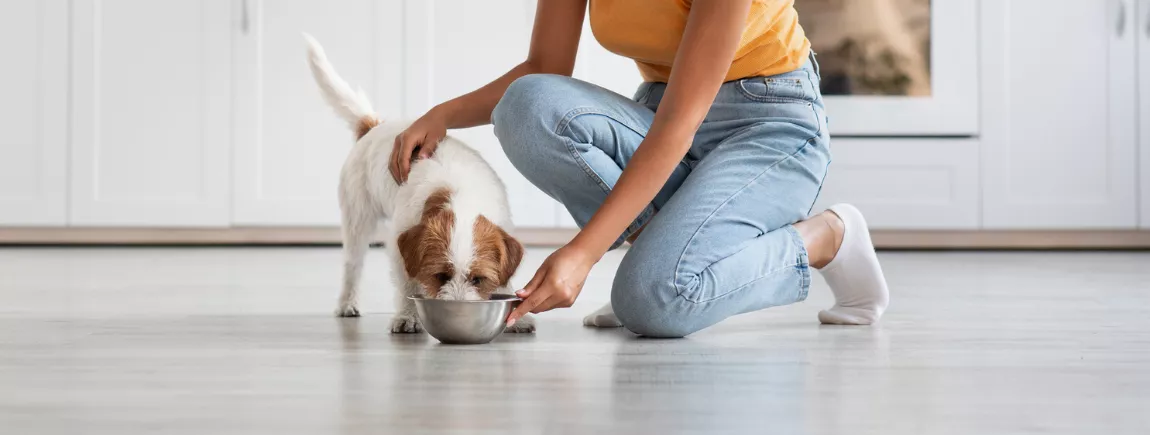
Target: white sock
x,y
854,275
603,318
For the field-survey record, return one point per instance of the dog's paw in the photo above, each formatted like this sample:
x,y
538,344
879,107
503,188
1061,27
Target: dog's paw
x,y
525,325
602,318
347,310
405,325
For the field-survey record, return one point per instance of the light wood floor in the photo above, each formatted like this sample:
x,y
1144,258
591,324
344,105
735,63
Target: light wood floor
x,y
220,341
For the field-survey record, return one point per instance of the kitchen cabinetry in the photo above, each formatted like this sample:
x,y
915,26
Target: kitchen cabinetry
x,y
1143,31
1059,114
34,110
151,113
288,146
184,113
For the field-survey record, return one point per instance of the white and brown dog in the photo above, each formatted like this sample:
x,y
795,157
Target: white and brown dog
x,y
449,220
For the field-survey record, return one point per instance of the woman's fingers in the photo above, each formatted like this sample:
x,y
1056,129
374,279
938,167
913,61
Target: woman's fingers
x,y
533,297
534,283
398,151
427,148
552,302
405,158
392,164
528,305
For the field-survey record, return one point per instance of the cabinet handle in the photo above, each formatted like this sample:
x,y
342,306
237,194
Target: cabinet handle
x,y
245,20
1121,17
1148,19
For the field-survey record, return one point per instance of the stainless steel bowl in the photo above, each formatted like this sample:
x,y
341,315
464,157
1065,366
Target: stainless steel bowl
x,y
465,322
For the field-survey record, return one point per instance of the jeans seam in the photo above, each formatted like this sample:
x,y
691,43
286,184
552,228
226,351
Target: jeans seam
x,y
744,285
801,264
814,111
801,260
678,264
570,116
570,144
561,126
822,181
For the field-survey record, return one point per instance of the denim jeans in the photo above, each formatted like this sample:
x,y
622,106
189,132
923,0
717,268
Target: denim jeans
x,y
717,240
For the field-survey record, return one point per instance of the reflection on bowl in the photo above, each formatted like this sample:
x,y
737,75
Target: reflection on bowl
x,y
465,322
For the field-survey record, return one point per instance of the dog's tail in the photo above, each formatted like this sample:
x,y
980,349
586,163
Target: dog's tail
x,y
351,105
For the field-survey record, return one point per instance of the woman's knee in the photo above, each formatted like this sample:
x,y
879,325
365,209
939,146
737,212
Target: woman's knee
x,y
646,299
522,116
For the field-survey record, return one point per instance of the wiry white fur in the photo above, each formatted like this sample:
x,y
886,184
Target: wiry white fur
x,y
350,105
368,193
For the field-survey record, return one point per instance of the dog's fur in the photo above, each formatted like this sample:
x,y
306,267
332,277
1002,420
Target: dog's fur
x,y
449,220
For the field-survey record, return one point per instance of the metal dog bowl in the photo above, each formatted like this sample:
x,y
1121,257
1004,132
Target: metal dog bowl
x,y
465,322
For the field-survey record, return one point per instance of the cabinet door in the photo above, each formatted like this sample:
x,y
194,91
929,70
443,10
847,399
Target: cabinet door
x,y
151,112
1059,127
905,183
458,46
289,145
1143,31
34,85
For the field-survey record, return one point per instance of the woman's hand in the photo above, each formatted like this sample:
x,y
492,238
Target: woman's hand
x,y
557,282
417,142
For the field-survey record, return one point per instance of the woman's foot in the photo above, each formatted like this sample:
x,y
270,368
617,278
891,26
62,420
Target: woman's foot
x,y
603,318
839,245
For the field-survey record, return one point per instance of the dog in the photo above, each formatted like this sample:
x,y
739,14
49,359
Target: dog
x,y
448,237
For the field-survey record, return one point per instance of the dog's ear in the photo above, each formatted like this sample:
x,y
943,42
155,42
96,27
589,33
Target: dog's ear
x,y
410,248
497,254
513,254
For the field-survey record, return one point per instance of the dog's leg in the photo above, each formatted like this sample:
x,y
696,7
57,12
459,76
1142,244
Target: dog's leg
x,y
525,325
406,319
358,229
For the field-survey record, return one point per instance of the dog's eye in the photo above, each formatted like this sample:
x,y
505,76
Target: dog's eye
x,y
443,277
476,280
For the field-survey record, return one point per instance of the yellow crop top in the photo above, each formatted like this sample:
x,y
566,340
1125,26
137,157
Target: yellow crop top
x,y
649,31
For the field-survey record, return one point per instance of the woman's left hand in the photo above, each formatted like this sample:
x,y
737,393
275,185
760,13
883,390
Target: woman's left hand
x,y
557,282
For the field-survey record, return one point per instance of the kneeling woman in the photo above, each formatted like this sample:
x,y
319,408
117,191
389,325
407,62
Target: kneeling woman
x,y
710,172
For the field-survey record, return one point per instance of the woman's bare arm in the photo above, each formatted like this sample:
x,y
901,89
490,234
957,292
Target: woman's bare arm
x,y
554,44
705,53
709,42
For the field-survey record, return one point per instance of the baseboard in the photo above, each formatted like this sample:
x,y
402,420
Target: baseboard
x,y
889,239
1012,239
220,236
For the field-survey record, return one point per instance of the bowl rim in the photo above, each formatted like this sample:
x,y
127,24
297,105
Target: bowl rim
x,y
509,298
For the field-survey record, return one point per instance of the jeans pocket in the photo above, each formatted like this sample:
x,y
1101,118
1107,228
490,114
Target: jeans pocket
x,y
785,88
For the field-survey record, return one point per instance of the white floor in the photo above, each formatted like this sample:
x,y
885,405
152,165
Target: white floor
x,y
206,340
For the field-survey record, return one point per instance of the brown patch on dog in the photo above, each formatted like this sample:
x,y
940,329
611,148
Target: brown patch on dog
x,y
497,256
425,248
365,125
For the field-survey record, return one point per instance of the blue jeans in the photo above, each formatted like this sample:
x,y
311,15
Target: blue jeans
x,y
717,240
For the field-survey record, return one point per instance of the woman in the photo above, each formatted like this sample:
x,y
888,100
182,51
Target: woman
x,y
709,172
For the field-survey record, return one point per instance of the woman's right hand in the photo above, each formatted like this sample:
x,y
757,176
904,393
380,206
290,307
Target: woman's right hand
x,y
417,142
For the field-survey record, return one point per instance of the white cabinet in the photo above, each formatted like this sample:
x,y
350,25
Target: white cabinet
x,y
1058,113
151,112
288,145
905,183
34,110
454,47
1143,32
408,56
202,113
